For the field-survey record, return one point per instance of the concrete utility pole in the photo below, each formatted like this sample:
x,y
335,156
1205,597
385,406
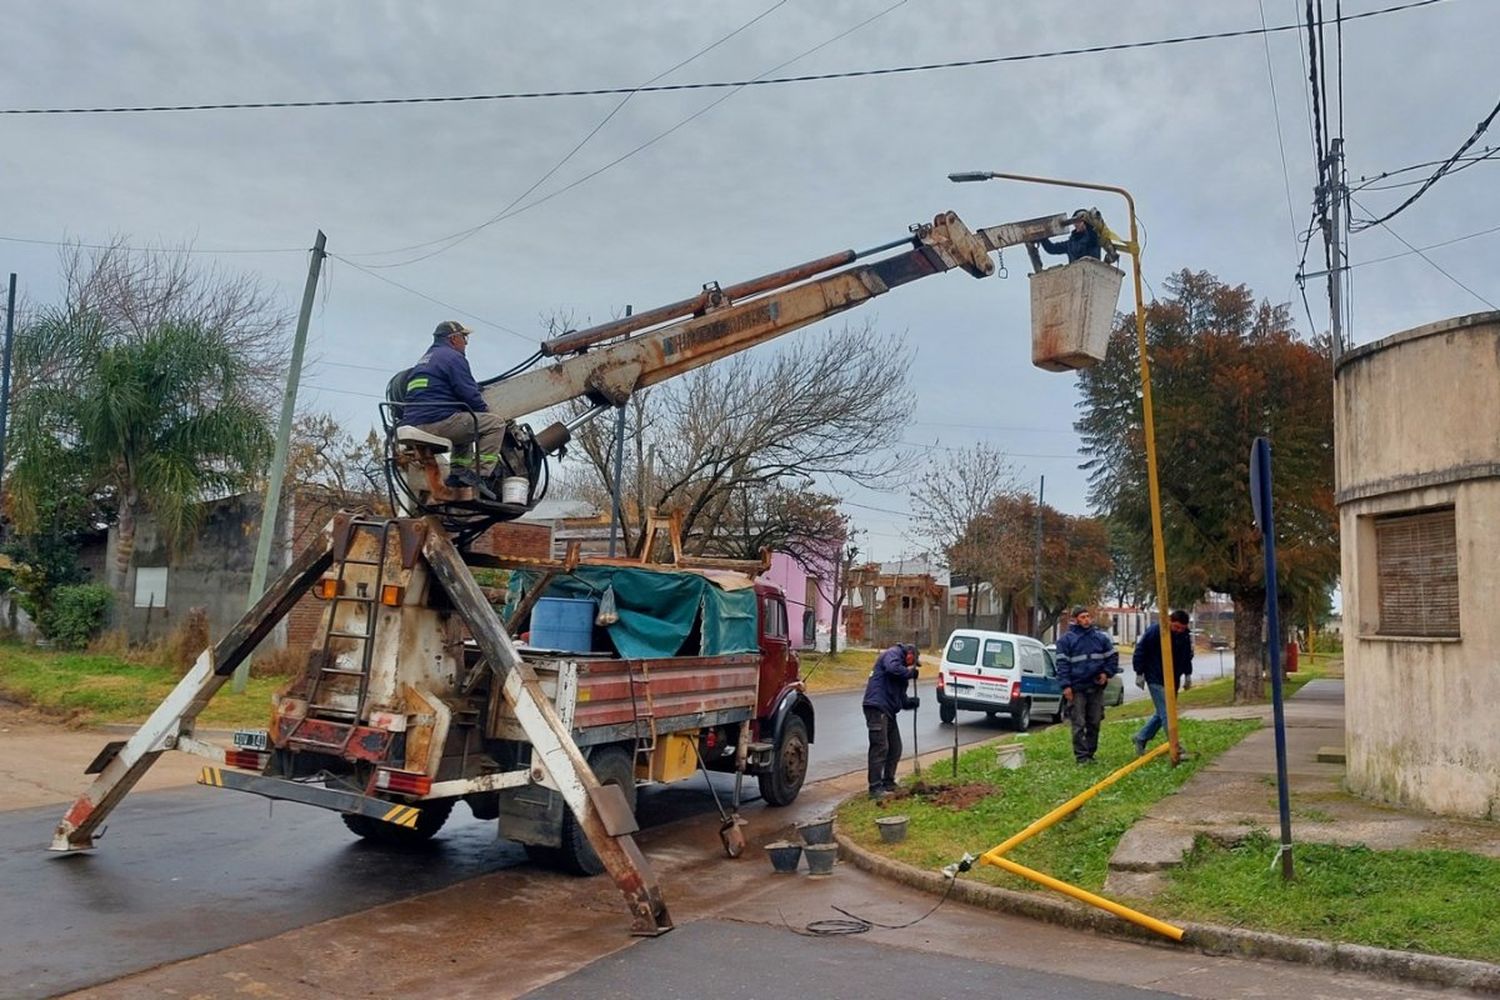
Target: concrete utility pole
x,y
10,327
1036,572
283,441
1334,239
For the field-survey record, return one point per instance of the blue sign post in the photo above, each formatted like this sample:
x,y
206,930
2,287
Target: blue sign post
x,y
1265,523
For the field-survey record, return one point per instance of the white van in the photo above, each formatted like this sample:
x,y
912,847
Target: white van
x,y
994,672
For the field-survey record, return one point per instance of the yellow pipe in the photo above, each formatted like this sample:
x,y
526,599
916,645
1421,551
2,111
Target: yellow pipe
x,y
1158,545
1083,895
1071,805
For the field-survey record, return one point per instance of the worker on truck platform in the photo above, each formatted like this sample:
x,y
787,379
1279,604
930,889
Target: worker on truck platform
x,y
1082,242
1086,660
442,398
885,697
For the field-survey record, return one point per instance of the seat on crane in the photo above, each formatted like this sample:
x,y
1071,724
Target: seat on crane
x,y
418,438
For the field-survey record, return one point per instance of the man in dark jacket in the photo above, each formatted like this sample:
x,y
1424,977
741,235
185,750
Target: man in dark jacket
x,y
442,398
1081,242
1148,671
1086,660
885,696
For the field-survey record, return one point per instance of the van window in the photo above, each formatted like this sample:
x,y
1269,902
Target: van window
x,y
1031,659
999,653
963,650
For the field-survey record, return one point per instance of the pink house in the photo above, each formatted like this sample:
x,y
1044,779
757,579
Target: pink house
x,y
809,599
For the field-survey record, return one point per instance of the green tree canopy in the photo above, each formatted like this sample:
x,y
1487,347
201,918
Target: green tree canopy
x,y
1225,369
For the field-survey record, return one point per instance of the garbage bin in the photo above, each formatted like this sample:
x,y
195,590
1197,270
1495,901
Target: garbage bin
x,y
1072,308
1289,661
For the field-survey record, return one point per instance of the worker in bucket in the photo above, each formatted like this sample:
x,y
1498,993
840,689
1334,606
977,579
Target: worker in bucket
x,y
1149,674
885,697
442,398
1082,242
1086,660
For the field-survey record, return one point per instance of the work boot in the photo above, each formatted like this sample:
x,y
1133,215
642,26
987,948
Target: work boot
x,y
1140,746
880,793
464,477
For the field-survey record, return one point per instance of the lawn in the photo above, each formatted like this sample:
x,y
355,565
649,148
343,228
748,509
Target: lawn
x,y
1219,692
1076,850
848,668
96,688
1441,902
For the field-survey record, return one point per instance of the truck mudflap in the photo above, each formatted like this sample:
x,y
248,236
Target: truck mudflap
x,y
398,813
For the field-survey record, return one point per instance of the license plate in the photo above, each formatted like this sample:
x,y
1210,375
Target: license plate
x,y
251,739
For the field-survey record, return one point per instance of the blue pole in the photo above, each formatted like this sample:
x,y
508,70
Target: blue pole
x,y
1260,485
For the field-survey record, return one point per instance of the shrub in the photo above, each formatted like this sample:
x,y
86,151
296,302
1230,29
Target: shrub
x,y
77,614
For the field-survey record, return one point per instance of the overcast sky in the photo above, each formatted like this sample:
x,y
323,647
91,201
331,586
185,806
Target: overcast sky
x,y
771,176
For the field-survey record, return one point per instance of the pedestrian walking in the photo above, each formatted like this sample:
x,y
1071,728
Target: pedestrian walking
x,y
1146,660
1086,660
885,697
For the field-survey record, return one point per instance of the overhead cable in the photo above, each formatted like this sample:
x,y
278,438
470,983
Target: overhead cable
x,y
1437,175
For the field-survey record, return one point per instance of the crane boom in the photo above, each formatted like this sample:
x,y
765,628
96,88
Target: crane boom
x,y
722,322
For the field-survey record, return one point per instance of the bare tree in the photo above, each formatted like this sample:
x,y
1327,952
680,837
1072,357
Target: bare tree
x,y
960,488
736,447
330,469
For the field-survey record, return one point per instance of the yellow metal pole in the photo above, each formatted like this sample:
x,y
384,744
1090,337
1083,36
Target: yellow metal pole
x,y
1069,806
1083,895
1158,545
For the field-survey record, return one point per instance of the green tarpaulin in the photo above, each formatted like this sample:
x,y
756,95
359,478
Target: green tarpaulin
x,y
658,611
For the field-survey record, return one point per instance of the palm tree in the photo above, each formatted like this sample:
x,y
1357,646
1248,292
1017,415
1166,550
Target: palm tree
x,y
153,422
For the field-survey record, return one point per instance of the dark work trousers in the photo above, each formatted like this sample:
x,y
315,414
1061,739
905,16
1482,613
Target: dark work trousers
x,y
1085,712
885,747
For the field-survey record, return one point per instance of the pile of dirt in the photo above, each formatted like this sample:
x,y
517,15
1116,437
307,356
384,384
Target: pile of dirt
x,y
955,797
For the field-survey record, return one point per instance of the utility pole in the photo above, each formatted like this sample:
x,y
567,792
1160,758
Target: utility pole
x,y
1334,239
1036,572
615,520
10,327
283,440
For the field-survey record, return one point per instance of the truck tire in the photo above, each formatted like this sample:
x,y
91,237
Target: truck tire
x,y
429,821
780,785
1020,719
947,714
612,766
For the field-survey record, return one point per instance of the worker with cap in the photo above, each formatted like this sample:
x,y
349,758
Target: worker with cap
x,y
1086,660
1082,242
442,398
885,697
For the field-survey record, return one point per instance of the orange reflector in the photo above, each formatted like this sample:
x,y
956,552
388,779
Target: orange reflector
x,y
251,760
328,588
405,782
390,595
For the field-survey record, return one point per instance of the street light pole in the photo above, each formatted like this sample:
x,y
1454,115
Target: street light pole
x,y
1158,545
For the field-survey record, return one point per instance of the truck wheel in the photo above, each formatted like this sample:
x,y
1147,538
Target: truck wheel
x,y
947,713
612,766
429,821
1021,717
780,785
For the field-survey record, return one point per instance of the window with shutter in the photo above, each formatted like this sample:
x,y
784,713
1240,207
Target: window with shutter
x,y
1416,563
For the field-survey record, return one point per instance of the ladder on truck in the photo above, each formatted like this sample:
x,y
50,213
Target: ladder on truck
x,y
329,672
645,742
602,811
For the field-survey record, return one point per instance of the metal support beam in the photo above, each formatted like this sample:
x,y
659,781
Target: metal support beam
x,y
552,743
173,718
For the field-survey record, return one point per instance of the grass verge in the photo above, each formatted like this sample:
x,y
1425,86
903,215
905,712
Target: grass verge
x,y
96,688
1219,693
848,668
1441,902
1077,849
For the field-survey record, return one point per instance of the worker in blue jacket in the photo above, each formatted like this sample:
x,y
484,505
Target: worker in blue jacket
x,y
1081,242
442,398
1086,660
1149,673
885,697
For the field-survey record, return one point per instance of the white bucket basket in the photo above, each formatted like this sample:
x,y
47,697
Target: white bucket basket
x,y
1072,308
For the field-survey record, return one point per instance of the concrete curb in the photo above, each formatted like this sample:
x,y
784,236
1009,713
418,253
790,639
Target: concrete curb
x,y
1412,967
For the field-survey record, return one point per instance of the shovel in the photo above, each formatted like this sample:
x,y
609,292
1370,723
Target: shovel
x,y
730,833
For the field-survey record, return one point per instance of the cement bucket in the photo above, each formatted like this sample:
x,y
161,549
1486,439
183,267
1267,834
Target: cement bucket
x,y
820,858
1072,308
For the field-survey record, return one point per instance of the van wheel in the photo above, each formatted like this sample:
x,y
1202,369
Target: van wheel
x,y
429,821
1021,717
947,713
612,766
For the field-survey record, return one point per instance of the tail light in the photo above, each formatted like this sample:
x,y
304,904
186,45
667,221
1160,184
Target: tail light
x,y
1015,690
402,782
711,739
390,595
939,682
250,760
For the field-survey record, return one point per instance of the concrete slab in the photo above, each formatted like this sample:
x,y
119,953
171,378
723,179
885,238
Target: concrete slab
x,y
1150,847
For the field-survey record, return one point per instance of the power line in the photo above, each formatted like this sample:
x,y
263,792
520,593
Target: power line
x,y
707,85
1286,178
463,235
1487,153
1436,266
1437,175
423,295
135,249
1430,246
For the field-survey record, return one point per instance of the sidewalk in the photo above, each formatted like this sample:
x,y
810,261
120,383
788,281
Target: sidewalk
x,y
1236,794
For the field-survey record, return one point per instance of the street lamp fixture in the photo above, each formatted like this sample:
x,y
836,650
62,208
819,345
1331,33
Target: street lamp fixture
x,y
1158,546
